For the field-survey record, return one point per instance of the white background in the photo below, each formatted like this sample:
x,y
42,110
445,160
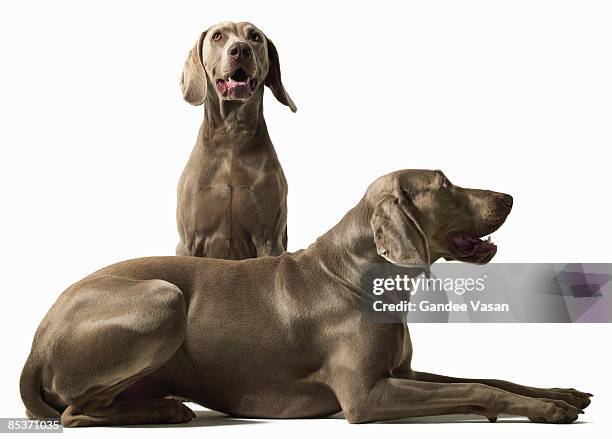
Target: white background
x,y
511,96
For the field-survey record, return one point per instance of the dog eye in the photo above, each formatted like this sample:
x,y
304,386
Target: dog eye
x,y
217,36
256,37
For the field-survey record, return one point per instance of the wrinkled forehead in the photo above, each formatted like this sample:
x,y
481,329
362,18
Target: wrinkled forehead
x,y
240,29
411,181
419,180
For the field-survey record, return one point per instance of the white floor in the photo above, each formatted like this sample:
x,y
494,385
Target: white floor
x,y
213,424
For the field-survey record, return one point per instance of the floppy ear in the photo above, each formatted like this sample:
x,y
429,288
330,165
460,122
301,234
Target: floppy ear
x,y
273,80
193,79
398,237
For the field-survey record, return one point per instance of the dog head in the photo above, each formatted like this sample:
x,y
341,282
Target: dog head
x,y
232,60
419,216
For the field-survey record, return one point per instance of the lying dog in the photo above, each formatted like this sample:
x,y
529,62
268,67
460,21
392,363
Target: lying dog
x,y
232,195
275,337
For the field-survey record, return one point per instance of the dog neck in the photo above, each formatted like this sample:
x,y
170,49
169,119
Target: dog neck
x,y
236,123
347,251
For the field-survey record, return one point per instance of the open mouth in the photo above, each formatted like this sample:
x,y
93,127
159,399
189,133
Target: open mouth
x,y
472,248
237,85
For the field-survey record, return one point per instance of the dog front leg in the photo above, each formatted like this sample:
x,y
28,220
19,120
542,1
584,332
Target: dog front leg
x,y
572,396
394,398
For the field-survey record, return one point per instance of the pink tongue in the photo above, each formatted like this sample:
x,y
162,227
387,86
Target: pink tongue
x,y
466,244
238,89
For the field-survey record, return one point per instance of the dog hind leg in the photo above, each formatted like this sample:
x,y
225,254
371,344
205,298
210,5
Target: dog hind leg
x,y
110,334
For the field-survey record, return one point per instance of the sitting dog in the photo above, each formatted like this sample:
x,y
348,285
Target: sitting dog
x,y
275,337
232,195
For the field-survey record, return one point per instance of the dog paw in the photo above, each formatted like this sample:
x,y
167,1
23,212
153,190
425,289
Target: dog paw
x,y
179,413
554,411
574,397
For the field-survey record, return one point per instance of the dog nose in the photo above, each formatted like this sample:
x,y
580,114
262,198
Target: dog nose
x,y
507,200
239,50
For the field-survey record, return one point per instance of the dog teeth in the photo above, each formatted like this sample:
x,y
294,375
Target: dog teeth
x,y
488,240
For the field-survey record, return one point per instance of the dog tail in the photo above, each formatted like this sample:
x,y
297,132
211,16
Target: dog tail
x,y
30,388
